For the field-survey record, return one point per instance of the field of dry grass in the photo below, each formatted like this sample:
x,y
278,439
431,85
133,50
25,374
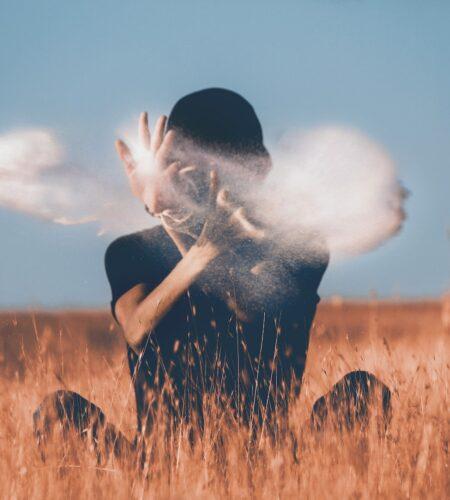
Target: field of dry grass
x,y
405,344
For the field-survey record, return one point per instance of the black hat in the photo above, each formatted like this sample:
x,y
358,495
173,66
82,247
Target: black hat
x,y
219,119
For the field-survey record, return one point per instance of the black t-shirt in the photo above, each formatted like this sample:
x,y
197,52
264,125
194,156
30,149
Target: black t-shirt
x,y
200,345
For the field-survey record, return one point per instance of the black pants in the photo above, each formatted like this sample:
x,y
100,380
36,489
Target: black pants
x,y
350,402
76,417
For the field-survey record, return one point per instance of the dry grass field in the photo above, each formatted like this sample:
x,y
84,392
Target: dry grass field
x,y
406,345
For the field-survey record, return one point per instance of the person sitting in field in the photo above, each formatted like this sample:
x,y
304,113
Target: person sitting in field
x,y
207,305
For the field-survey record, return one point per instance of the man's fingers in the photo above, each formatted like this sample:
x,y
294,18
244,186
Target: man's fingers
x,y
238,216
188,170
144,131
213,188
225,201
172,171
125,155
249,229
172,180
166,148
158,133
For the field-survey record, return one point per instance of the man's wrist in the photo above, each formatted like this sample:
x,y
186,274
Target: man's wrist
x,y
202,255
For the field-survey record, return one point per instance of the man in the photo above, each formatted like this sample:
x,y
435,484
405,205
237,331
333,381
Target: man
x,y
209,306
164,280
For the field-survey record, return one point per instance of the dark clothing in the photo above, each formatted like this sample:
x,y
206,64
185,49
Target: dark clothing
x,y
351,402
200,344
201,348
78,415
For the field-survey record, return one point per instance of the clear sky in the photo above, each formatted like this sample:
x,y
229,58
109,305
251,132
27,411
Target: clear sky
x,y
84,67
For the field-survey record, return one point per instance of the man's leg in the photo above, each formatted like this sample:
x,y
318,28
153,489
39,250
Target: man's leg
x,y
353,400
65,413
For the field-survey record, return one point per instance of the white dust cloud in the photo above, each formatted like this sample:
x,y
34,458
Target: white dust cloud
x,y
336,183
332,185
36,179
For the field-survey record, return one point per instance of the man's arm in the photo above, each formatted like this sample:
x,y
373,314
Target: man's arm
x,y
140,311
215,279
247,289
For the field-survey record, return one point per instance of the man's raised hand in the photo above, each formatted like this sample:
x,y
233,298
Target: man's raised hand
x,y
226,222
157,145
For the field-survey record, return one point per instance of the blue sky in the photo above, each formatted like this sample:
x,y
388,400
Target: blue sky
x,y
83,68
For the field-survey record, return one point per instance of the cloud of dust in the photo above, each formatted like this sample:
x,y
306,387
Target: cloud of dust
x,y
331,187
337,183
37,179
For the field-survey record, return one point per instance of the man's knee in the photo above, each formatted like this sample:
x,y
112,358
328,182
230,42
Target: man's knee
x,y
63,411
67,408
353,400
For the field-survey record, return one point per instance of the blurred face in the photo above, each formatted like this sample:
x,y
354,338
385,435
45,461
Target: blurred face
x,y
178,188
178,191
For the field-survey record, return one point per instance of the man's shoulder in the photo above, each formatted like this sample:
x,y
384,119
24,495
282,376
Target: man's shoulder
x,y
140,257
151,242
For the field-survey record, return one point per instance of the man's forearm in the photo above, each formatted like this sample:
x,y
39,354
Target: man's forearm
x,y
156,305
248,291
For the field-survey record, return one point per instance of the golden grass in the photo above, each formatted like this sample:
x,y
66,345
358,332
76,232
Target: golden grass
x,y
405,345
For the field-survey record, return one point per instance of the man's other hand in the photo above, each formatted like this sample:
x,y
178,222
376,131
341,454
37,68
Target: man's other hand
x,y
227,223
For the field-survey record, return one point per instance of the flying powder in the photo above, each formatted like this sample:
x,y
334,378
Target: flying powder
x,y
335,182
331,182
36,179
